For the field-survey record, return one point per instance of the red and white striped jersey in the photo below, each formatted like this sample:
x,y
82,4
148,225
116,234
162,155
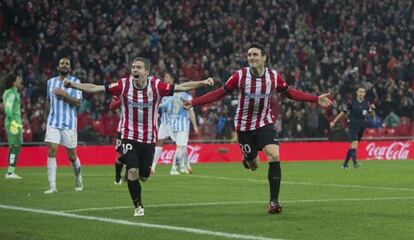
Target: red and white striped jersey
x,y
139,107
254,97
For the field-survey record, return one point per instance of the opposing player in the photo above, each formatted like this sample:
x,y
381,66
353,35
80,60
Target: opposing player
x,y
254,119
13,121
180,126
62,123
358,109
164,131
140,96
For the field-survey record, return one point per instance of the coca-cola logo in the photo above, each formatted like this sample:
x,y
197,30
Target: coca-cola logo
x,y
192,151
396,150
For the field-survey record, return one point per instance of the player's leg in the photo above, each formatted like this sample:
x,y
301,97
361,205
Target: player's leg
x,y
182,141
70,141
352,139
118,162
248,147
268,140
157,154
52,138
274,177
15,142
131,158
177,157
354,146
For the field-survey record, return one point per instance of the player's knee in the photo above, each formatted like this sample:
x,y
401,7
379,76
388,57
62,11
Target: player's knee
x,y
51,152
274,157
133,174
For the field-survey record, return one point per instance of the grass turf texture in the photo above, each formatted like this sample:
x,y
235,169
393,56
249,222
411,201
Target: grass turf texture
x,y
320,201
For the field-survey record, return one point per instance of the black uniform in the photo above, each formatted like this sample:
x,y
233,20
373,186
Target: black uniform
x,y
358,112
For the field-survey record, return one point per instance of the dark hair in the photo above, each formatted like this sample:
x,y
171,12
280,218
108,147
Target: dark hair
x,y
146,62
9,80
360,86
258,46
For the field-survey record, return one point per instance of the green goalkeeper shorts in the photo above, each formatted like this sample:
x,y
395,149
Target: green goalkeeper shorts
x,y
14,139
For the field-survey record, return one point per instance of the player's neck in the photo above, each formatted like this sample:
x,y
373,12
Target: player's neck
x,y
257,72
140,83
360,99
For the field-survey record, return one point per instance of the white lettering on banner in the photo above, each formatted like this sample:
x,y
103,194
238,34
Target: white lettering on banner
x,y
192,151
396,150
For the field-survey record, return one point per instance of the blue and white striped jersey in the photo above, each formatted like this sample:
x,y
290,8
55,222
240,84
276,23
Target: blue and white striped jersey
x,y
179,117
165,118
62,115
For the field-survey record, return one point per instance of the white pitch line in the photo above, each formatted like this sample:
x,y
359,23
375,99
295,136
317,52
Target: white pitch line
x,y
242,202
305,183
139,224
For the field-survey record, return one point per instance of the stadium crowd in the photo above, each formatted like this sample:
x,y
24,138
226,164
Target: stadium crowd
x,y
318,46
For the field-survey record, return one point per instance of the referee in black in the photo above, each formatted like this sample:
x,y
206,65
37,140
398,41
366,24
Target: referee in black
x,y
358,109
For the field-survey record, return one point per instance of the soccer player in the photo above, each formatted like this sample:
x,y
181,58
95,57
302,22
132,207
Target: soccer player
x,y
115,104
13,121
140,96
358,109
164,131
254,119
180,126
62,123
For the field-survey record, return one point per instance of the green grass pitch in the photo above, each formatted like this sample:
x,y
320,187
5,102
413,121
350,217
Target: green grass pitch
x,y
218,201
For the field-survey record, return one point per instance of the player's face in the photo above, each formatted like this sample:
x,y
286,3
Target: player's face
x,y
168,78
255,58
138,70
361,93
64,66
18,82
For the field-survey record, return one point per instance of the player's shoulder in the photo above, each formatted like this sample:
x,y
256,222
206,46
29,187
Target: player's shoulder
x,y
74,79
52,79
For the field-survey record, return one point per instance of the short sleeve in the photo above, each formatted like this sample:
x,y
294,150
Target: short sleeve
x,y
165,89
281,85
232,82
114,88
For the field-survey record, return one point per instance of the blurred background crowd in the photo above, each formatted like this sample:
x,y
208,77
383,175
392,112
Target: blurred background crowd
x,y
317,45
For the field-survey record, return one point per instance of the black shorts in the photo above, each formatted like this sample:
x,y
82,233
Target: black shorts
x,y
253,141
355,134
138,155
118,143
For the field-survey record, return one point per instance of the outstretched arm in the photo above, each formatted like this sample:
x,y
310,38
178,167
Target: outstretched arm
x,y
206,98
193,85
323,100
332,124
85,87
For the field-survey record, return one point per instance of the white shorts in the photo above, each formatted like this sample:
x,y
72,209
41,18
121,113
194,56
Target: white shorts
x,y
164,132
67,138
181,138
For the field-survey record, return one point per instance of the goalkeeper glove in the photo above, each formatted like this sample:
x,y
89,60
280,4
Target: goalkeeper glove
x,y
14,127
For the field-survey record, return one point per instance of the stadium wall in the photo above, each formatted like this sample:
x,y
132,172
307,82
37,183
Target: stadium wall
x,y
230,152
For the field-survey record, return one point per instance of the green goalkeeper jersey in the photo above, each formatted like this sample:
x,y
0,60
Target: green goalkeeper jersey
x,y
11,100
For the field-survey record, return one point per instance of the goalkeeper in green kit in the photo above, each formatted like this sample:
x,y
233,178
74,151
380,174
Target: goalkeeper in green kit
x,y
13,121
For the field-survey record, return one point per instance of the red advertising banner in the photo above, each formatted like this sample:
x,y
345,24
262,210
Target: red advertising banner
x,y
229,152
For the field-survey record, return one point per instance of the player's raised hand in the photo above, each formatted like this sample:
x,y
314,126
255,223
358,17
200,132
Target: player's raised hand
x,y
187,104
372,106
323,100
59,92
209,81
331,124
67,83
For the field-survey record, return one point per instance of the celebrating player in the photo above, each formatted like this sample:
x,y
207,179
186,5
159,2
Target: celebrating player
x,y
140,96
13,121
254,120
62,123
358,109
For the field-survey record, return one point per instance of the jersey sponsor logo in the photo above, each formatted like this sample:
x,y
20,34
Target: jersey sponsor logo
x,y
139,105
257,95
